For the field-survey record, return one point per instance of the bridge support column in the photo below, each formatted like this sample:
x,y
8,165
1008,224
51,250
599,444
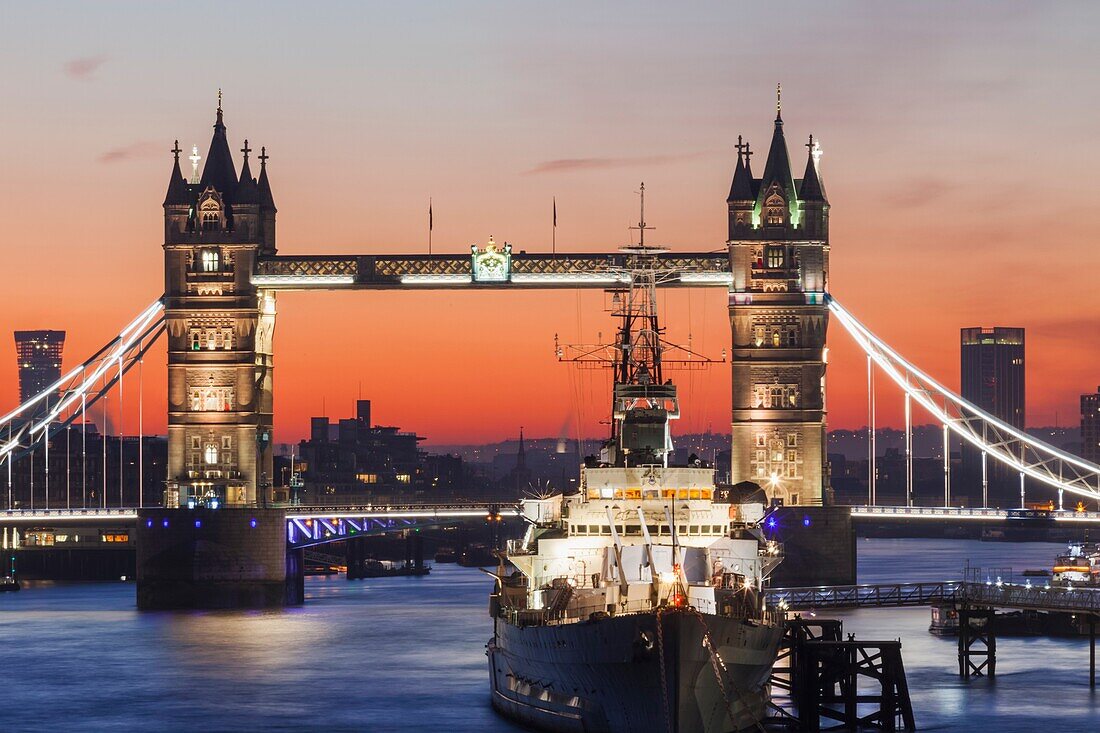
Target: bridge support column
x,y
356,557
977,644
1092,652
212,558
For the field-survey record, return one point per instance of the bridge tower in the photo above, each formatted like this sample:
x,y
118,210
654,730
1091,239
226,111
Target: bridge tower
x,y
779,255
220,328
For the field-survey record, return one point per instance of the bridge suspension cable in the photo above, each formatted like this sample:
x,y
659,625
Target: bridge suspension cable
x,y
68,399
994,437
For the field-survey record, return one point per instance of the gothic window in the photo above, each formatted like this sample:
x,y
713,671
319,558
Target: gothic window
x,y
227,442
776,397
211,399
775,337
760,440
759,334
211,454
210,214
792,439
774,257
792,337
775,211
196,343
211,260
194,442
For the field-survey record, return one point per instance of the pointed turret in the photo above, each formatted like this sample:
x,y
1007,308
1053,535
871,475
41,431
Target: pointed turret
x,y
742,192
266,199
811,189
267,205
248,191
778,168
219,170
741,189
812,201
177,194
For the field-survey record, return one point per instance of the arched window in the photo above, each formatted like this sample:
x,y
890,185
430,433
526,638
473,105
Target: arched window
x,y
775,211
211,454
211,260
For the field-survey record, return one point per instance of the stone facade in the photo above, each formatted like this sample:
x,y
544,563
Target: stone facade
x,y
220,330
779,256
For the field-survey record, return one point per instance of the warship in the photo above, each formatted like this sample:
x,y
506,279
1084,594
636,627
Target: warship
x,y
635,603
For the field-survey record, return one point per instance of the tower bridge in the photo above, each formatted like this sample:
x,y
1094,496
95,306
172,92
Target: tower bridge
x,y
218,310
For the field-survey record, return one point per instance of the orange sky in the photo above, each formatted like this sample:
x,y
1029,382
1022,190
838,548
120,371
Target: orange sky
x,y
958,161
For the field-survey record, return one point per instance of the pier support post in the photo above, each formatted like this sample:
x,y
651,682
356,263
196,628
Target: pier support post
x,y
977,644
1092,652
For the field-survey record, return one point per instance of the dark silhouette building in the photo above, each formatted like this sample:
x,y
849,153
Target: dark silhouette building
x,y
39,359
1090,426
992,377
355,461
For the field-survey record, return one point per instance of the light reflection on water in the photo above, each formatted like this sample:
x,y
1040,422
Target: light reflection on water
x,y
398,654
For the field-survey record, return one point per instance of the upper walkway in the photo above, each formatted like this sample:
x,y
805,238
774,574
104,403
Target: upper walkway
x,y
958,593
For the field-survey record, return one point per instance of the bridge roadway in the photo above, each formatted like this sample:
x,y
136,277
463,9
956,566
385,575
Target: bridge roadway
x,y
468,510
946,593
307,526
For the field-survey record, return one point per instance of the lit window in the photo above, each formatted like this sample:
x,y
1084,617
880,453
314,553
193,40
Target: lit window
x,y
210,260
211,454
404,478
775,337
774,256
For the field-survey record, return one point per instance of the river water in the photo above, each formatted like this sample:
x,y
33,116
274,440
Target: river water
x,y
407,654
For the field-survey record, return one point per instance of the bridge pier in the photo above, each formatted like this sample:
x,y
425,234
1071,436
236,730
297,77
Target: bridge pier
x,y
983,635
215,558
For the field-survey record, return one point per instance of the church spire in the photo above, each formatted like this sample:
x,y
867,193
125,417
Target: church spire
x,y
219,170
177,187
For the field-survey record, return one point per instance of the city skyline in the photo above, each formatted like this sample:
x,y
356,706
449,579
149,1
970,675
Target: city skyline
x,y
352,176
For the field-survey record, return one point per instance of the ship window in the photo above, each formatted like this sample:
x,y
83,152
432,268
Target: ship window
x,y
633,530
707,494
717,529
652,529
605,529
606,493
693,494
693,529
794,498
664,529
683,529
668,493
649,493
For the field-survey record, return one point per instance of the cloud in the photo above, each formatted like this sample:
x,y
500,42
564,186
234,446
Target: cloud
x,y
917,192
143,149
83,67
566,165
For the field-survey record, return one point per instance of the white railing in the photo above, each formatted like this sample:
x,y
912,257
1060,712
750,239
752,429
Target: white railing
x,y
994,437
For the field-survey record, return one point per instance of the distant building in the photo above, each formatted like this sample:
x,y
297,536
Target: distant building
x,y
1090,426
354,460
992,364
39,359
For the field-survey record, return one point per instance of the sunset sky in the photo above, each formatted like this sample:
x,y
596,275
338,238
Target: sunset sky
x,y
960,156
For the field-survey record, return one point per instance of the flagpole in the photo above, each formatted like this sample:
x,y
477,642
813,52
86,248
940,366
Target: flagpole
x,y
554,237
430,223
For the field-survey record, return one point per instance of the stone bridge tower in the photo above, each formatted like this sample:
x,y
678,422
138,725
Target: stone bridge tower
x,y
220,328
779,254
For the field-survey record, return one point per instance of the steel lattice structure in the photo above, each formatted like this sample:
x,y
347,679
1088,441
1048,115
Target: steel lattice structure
x,y
994,437
69,398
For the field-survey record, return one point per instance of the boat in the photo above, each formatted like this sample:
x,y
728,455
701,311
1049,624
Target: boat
x,y
390,569
1078,565
634,604
445,555
9,584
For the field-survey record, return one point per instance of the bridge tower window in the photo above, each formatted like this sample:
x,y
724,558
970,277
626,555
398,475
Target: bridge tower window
x,y
211,454
211,260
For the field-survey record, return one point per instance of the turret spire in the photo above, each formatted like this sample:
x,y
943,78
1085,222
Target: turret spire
x,y
219,170
811,189
778,102
177,187
741,188
777,170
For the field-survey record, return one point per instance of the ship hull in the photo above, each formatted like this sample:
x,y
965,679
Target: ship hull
x,y
604,675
